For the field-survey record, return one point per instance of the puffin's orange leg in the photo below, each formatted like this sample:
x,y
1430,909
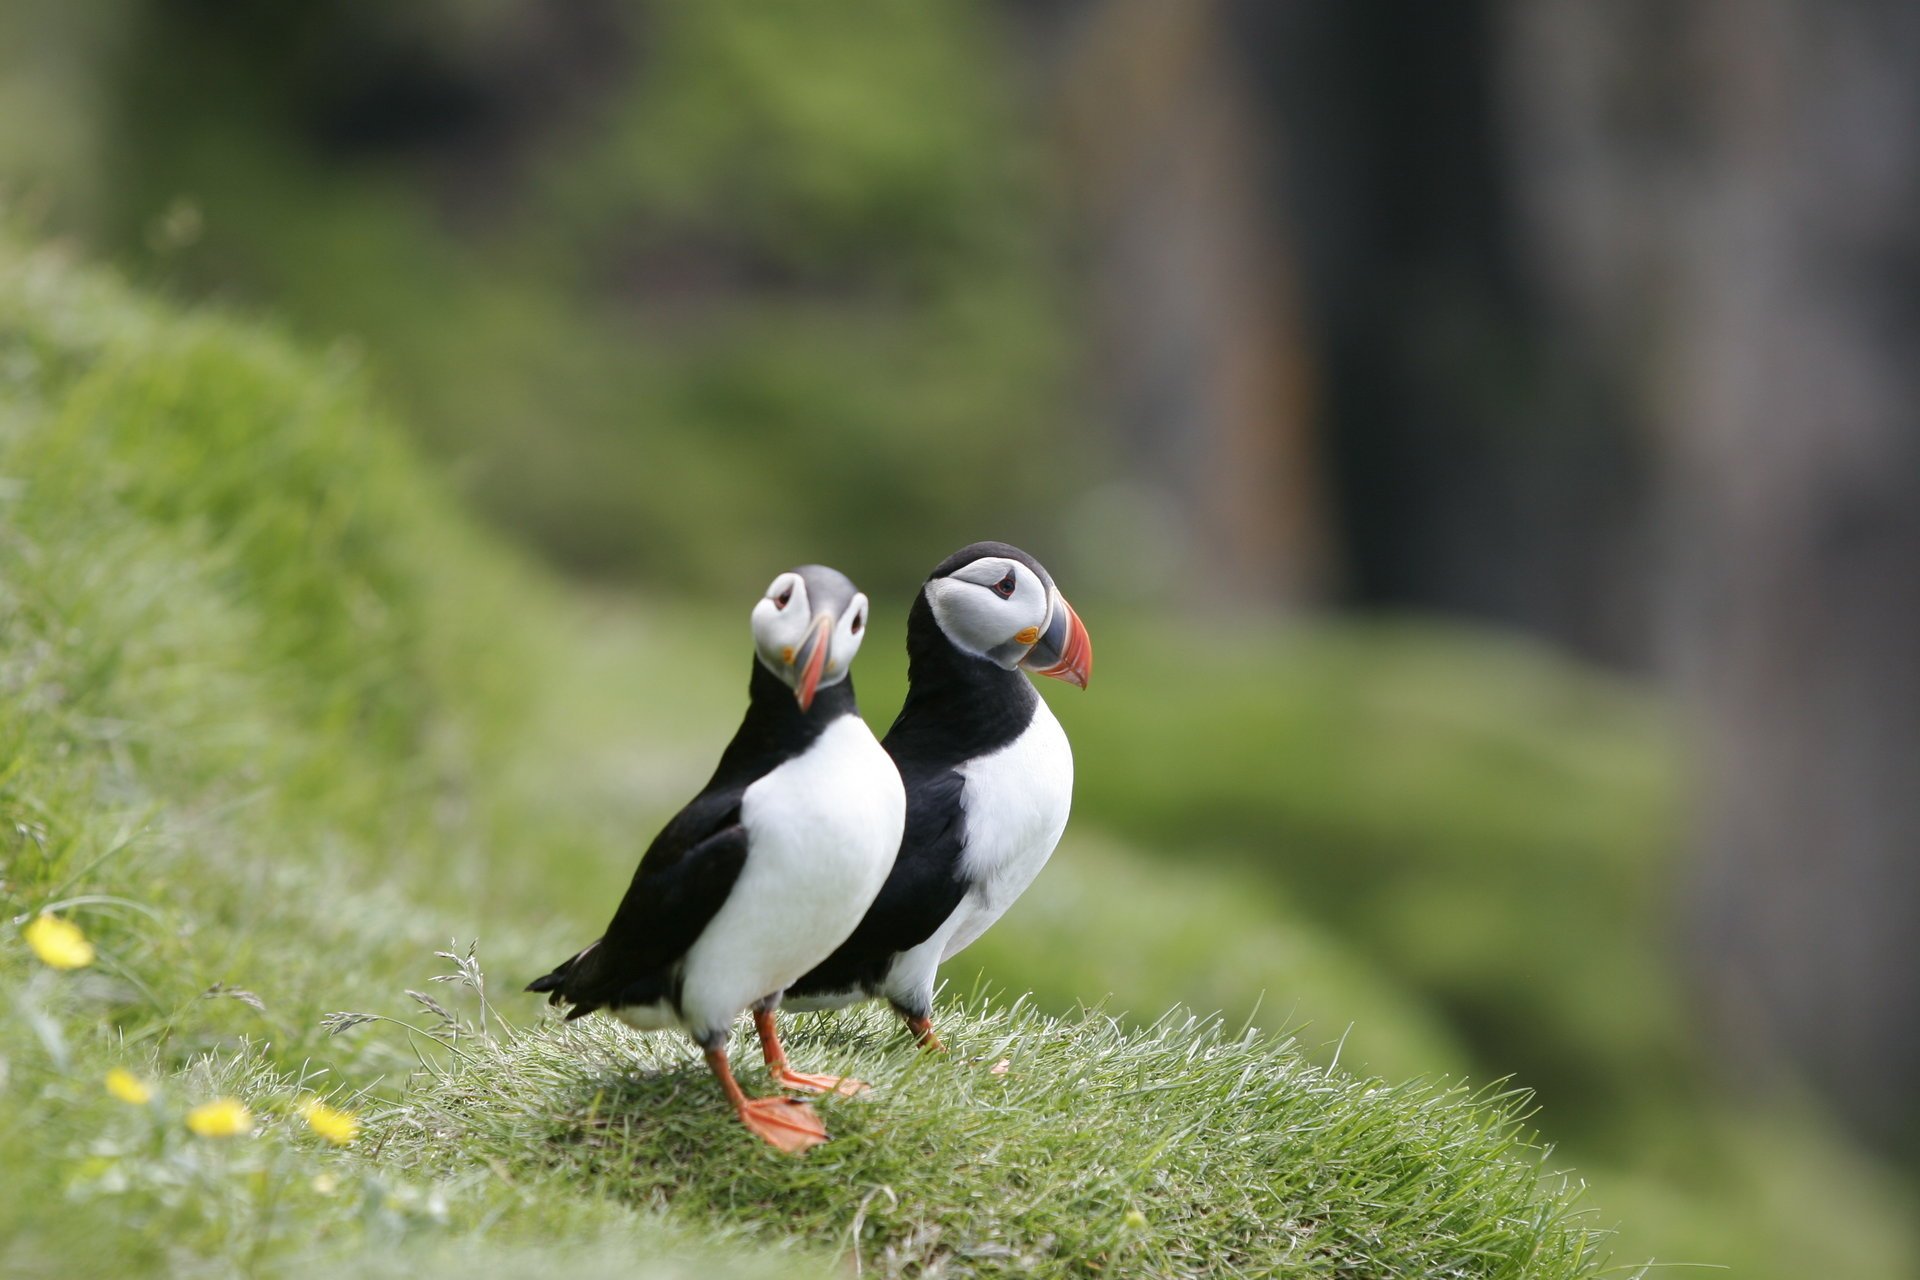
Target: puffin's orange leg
x,y
922,1029
777,1063
786,1123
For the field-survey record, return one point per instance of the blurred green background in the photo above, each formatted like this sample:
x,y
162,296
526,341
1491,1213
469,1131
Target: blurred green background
x,y
1479,440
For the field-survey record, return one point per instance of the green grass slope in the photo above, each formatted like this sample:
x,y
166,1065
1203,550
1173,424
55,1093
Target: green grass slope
x,y
1038,1146
274,729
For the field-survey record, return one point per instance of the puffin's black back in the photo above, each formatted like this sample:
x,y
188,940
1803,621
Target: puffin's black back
x,y
691,866
958,707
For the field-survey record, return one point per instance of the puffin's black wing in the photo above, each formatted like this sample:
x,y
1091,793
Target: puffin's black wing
x,y
921,891
686,875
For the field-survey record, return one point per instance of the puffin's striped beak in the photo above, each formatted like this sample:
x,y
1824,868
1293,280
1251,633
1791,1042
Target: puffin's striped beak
x,y
1063,651
812,660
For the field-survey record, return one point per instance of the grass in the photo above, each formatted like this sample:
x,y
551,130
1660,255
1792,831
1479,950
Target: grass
x,y
273,732
1038,1146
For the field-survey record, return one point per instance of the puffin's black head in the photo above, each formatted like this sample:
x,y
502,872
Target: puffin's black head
x,y
997,602
807,628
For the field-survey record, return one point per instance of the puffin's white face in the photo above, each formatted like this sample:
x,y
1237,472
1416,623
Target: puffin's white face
x,y
807,628
992,608
999,609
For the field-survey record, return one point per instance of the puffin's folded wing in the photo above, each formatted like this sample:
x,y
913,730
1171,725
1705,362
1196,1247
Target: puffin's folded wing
x,y
667,907
921,891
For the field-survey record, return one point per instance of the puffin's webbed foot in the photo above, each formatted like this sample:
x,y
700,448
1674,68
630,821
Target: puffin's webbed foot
x,y
787,1124
776,1056
845,1086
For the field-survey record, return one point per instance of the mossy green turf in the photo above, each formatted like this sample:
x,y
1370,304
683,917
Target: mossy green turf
x,y
1036,1146
264,690
278,723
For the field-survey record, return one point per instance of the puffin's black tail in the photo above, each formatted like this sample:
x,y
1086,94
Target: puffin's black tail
x,y
555,983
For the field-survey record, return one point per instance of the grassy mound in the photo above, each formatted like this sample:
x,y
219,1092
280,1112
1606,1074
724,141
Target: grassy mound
x,y
1038,1146
278,722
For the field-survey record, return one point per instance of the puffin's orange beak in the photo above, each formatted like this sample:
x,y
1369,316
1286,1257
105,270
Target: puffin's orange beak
x,y
1064,651
813,660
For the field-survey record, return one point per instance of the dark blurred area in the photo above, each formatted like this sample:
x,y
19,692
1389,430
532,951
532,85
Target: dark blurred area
x,y
1599,324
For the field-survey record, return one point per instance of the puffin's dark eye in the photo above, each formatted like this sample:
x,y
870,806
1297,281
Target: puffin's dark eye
x,y
1004,587
780,601
859,620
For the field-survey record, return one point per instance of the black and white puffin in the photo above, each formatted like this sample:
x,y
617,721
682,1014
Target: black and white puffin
x,y
988,772
770,867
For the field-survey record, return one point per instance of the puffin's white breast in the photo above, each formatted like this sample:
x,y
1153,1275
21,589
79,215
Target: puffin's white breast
x,y
1015,804
822,833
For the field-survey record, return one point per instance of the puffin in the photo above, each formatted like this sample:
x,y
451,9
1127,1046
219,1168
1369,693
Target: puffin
x,y
769,868
988,774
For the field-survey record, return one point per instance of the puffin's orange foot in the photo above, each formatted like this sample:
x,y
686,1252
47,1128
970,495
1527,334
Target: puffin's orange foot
x,y
922,1029
845,1086
786,1123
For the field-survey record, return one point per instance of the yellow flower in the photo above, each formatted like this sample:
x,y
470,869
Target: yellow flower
x,y
221,1118
58,942
128,1087
336,1126
1135,1220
